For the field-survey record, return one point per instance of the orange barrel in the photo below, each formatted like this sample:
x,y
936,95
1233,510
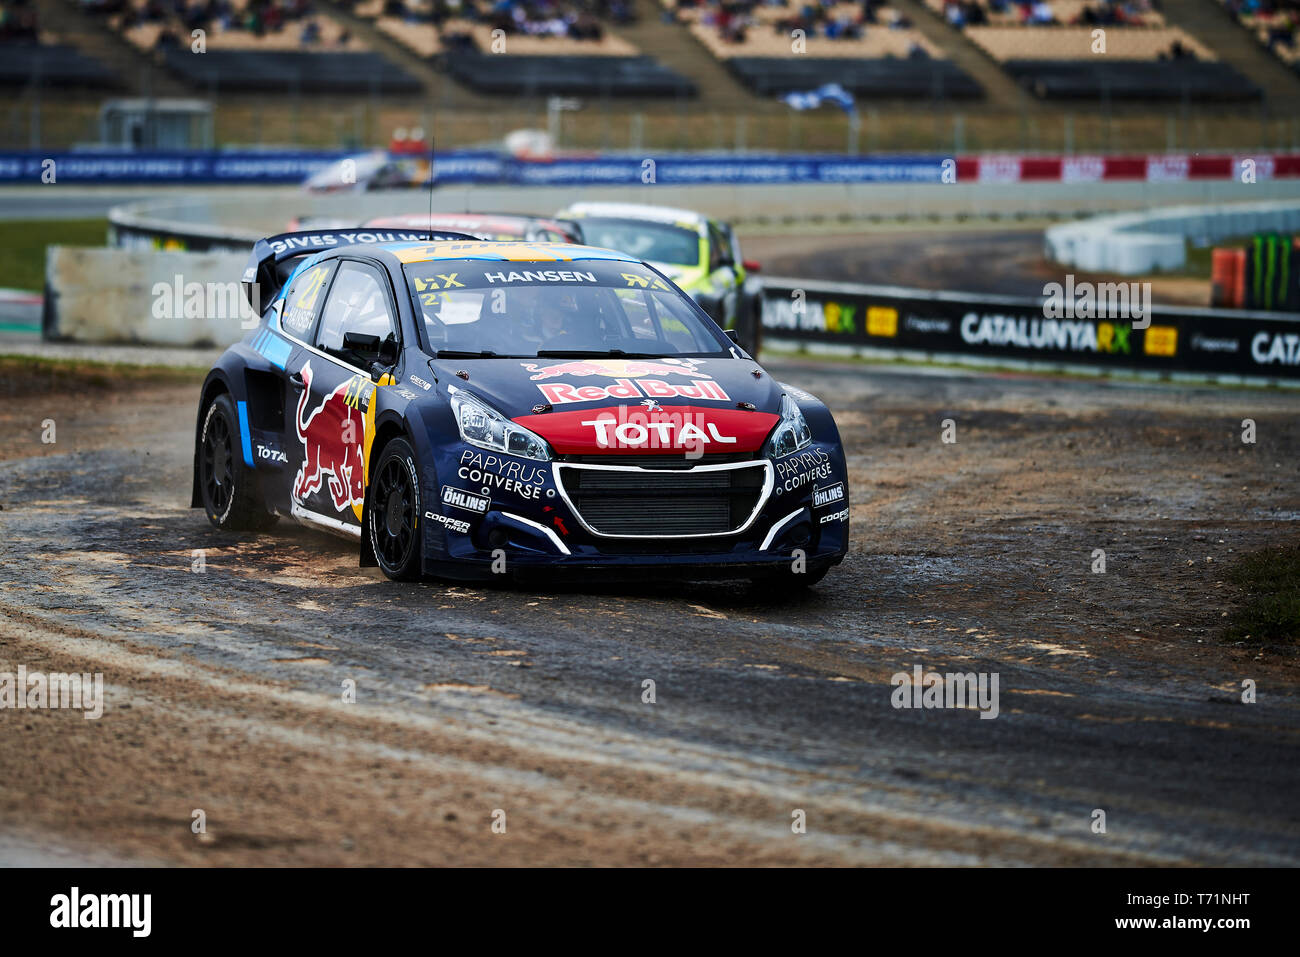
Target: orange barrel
x,y
1228,278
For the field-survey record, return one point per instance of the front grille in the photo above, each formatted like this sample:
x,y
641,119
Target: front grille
x,y
628,501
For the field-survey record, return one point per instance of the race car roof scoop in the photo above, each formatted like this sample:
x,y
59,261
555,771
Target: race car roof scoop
x,y
266,271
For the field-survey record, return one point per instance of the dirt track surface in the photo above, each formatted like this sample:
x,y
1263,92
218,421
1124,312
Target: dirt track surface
x,y
1002,260
224,686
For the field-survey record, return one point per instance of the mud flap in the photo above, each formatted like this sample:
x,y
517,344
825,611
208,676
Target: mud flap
x,y
367,549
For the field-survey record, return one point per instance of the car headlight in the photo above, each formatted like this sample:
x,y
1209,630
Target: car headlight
x,y
791,433
484,426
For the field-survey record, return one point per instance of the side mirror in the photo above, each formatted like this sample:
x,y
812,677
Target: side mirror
x,y
360,343
386,352
733,335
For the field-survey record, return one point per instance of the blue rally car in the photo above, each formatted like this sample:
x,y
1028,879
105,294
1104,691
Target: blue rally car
x,y
468,408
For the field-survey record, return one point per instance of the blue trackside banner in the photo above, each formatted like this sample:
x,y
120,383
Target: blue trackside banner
x,y
186,167
469,166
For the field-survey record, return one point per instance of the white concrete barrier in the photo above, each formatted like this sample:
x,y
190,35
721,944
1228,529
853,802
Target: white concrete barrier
x,y
107,295
1133,244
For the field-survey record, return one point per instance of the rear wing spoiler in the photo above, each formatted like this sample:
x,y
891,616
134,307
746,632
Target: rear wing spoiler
x,y
262,276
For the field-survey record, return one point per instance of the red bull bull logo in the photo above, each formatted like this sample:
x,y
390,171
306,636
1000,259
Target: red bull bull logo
x,y
332,438
617,368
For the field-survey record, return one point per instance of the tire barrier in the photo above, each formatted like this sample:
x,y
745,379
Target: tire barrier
x,y
1109,326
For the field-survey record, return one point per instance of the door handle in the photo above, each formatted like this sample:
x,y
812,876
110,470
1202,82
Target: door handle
x,y
296,379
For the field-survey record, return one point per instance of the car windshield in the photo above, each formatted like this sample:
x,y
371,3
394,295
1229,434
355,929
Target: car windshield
x,y
653,242
487,308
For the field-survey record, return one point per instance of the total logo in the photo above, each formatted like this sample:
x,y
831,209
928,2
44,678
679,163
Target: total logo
x,y
270,454
663,432
641,429
1282,347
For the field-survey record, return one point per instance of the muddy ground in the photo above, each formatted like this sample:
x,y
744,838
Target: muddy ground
x,y
1116,693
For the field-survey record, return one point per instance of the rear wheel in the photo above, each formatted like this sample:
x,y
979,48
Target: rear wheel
x,y
232,496
393,515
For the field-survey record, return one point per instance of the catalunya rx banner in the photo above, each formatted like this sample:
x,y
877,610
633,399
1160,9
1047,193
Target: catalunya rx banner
x,y
1111,325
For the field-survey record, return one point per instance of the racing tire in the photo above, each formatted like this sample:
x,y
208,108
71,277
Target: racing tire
x,y
231,492
393,515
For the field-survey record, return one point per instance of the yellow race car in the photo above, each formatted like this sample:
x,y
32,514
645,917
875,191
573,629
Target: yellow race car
x,y
700,254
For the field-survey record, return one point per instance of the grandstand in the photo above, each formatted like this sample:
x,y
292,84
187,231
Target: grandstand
x,y
685,73
526,49
277,26
1090,49
868,47
255,45
572,28
27,51
1007,13
1274,23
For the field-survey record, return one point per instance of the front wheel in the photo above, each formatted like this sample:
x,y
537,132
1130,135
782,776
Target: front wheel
x,y
393,516
232,496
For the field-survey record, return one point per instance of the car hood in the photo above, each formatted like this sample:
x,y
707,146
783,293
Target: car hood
x,y
627,406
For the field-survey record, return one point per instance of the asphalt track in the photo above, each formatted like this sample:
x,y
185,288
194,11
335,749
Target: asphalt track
x,y
1116,693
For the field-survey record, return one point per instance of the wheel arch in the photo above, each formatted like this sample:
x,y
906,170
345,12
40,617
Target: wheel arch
x,y
215,385
389,428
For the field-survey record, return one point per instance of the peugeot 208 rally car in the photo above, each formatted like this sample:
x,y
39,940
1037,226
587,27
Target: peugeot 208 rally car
x,y
467,407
